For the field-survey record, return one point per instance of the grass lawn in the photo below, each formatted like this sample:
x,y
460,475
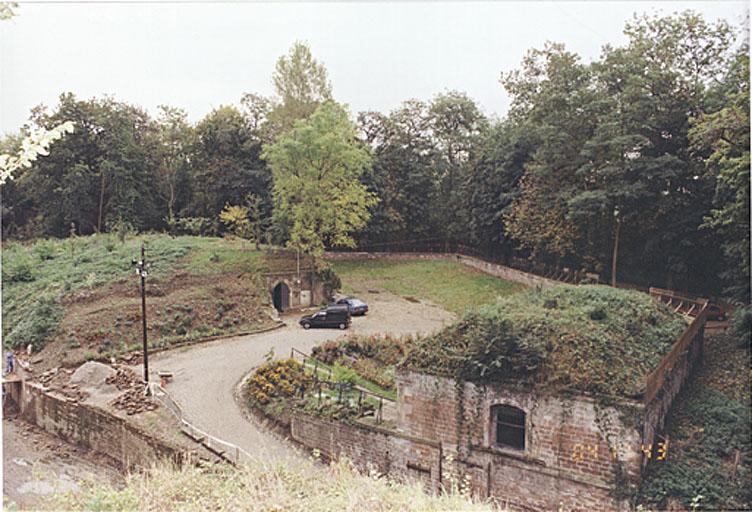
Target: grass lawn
x,y
451,285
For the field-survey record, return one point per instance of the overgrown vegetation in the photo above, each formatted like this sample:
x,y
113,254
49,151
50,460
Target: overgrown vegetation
x,y
589,338
451,285
82,291
709,462
302,486
372,357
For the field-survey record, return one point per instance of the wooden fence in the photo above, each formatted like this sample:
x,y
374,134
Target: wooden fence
x,y
684,304
655,379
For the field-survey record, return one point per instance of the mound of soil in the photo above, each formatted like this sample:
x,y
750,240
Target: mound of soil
x,y
92,375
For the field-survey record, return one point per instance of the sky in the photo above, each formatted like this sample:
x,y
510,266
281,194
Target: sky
x,y
198,56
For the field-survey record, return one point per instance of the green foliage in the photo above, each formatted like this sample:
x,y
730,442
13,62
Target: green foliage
x,y
724,134
518,338
302,84
31,288
316,170
18,267
35,328
330,280
705,439
741,325
196,226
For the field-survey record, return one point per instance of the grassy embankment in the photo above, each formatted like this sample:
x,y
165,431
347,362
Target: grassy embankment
x,y
451,285
709,462
303,486
83,294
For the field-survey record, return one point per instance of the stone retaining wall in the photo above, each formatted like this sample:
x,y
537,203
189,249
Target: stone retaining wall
x,y
91,427
372,448
494,269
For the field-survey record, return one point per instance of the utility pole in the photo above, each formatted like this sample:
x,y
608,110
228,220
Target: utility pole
x,y
142,269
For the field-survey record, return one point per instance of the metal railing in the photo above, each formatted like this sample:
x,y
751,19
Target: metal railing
x,y
362,400
228,451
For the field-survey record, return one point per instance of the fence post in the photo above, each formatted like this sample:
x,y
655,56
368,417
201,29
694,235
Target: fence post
x,y
360,402
292,353
319,393
316,369
339,397
381,404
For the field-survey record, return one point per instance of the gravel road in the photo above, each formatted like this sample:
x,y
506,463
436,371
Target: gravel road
x,y
205,376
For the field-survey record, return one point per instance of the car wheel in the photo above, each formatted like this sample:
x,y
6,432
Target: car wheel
x,y
306,326
343,326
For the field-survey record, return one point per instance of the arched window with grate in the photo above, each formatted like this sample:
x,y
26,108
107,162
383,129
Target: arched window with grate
x,y
508,424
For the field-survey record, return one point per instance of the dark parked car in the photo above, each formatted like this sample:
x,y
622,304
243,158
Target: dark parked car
x,y
716,312
357,306
332,316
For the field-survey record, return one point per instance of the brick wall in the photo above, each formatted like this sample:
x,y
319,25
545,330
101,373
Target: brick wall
x,y
399,456
657,409
92,428
566,458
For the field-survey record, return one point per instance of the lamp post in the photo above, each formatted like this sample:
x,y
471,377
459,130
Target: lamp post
x,y
142,270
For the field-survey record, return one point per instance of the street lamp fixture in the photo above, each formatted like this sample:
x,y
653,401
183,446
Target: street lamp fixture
x,y
142,270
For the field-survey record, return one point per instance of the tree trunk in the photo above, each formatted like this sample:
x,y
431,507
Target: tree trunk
x,y
616,252
101,204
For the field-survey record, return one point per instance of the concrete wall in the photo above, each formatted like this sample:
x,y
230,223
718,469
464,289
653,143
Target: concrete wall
x,y
567,458
91,427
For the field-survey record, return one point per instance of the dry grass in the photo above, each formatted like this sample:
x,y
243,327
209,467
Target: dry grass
x,y
301,486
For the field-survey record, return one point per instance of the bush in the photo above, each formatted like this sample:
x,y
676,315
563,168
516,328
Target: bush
x,y
18,269
277,379
45,250
36,327
197,226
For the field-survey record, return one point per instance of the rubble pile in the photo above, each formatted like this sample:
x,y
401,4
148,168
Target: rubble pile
x,y
133,401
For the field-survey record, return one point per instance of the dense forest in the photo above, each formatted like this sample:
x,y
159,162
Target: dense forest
x,y
637,161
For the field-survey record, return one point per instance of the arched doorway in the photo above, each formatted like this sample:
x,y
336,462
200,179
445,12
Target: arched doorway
x,y
281,296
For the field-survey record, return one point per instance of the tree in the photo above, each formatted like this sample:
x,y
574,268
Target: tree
x,y
456,126
258,219
493,183
174,143
402,174
99,173
227,163
302,84
317,192
236,218
34,145
723,135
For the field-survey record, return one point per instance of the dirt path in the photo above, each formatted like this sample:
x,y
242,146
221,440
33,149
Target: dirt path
x,y
205,376
37,464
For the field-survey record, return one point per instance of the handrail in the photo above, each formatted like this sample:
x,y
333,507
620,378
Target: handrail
x,y
341,387
230,452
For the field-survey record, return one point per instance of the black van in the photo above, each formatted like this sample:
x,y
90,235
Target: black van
x,y
332,316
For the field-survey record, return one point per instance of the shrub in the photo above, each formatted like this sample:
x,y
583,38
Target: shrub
x,y
45,250
277,379
18,269
37,326
197,226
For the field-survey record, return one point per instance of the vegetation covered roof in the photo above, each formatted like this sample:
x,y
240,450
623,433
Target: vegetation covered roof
x,y
587,338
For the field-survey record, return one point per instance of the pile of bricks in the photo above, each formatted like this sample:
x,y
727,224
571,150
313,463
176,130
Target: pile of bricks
x,y
133,401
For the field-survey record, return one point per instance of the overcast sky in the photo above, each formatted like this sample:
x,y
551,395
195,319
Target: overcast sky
x,y
198,56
